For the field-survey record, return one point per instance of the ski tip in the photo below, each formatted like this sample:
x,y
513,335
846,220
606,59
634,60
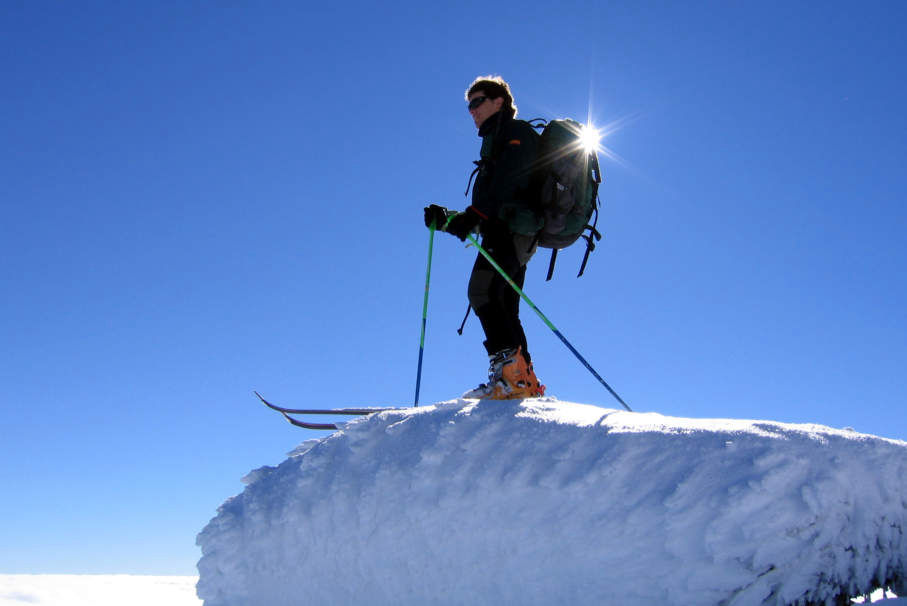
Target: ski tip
x,y
262,400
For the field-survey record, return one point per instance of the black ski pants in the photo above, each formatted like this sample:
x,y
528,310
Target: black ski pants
x,y
492,298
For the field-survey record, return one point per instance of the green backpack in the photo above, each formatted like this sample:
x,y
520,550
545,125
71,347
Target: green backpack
x,y
566,178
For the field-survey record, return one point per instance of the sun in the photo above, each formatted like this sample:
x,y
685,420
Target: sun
x,y
590,138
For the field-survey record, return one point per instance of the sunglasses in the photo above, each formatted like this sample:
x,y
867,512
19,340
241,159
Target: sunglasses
x,y
477,102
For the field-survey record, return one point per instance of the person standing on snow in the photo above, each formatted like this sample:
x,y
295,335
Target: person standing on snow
x,y
501,209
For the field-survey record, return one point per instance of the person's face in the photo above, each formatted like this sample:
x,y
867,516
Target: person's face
x,y
482,106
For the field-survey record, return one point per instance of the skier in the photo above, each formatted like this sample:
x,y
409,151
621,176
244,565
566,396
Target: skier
x,y
501,206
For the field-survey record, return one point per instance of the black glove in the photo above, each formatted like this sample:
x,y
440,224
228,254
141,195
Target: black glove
x,y
436,214
462,224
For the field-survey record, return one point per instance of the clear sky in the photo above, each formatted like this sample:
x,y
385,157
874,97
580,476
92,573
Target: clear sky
x,y
202,199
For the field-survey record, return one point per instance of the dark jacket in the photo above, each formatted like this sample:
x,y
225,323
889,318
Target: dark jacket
x,y
502,194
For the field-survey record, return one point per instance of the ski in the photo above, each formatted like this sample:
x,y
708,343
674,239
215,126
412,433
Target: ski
x,y
286,412
307,425
327,411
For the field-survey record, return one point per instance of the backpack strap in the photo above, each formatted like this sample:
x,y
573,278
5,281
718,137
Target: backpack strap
x,y
590,239
551,264
593,234
472,175
481,162
537,123
590,246
597,171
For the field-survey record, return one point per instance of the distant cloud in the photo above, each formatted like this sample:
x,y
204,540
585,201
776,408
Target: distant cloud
x,y
97,590
18,598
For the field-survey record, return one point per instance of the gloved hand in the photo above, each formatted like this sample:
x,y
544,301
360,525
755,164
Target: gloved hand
x,y
462,224
436,213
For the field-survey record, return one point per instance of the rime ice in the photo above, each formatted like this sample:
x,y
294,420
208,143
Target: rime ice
x,y
544,502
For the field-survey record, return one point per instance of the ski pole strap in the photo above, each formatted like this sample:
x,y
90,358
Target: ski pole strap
x,y
544,319
466,317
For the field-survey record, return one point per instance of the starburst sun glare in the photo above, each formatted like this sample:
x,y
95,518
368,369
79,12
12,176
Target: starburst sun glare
x,y
590,138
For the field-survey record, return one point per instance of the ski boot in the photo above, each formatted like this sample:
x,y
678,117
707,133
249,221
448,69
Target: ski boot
x,y
510,377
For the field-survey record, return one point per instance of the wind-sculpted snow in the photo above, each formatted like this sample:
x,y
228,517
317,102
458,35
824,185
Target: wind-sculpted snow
x,y
548,502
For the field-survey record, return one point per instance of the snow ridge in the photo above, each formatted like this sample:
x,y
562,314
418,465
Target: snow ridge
x,y
543,501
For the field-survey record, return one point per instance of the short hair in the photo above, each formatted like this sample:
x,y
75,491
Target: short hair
x,y
494,87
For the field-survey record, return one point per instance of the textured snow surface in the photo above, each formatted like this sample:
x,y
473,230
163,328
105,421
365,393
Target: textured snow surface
x,y
549,502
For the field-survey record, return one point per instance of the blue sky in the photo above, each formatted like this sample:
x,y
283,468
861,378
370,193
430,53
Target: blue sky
x,y
203,199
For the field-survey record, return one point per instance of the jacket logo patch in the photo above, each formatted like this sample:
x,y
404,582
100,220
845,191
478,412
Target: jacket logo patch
x,y
514,142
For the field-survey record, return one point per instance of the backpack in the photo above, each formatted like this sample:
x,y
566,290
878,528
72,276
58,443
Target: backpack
x,y
565,177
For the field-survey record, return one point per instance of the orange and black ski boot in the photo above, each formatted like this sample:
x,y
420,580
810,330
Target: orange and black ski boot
x,y
510,377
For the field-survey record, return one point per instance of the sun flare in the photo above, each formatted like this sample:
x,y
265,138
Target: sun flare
x,y
590,138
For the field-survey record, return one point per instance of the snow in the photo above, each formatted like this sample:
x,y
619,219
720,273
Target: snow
x,y
97,590
878,595
544,502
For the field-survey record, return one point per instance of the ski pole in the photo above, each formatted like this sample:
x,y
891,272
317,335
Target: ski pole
x,y
547,322
431,243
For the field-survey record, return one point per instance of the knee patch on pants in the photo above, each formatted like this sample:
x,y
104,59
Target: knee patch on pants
x,y
479,289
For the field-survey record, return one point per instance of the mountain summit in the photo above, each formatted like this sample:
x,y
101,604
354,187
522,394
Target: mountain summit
x,y
550,502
